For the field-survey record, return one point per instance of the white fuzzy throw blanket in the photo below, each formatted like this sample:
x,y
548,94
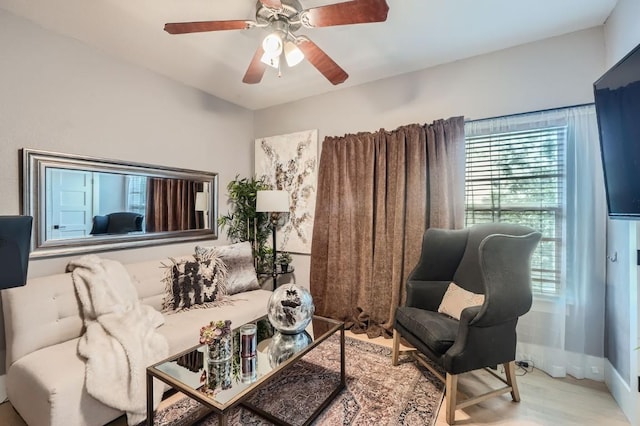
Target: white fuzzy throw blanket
x,y
120,339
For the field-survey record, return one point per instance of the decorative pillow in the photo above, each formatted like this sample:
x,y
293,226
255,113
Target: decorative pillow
x,y
456,299
198,283
241,272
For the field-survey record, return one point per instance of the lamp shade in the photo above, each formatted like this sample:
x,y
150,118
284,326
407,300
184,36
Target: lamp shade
x,y
272,61
272,44
292,54
202,201
15,241
272,201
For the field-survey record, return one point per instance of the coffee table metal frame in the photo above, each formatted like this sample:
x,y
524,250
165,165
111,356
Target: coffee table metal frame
x,y
223,409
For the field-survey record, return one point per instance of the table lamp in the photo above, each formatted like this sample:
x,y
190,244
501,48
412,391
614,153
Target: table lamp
x,y
15,241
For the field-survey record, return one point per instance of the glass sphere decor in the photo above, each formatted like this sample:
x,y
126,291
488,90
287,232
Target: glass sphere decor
x,y
283,346
290,308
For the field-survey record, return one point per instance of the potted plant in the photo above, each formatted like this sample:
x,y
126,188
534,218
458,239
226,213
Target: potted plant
x,y
284,259
243,223
217,336
264,263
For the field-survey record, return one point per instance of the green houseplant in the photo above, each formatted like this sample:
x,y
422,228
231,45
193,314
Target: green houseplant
x,y
243,223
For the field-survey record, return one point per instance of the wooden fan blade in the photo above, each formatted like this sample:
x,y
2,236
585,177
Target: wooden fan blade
x,y
322,61
256,68
349,12
272,4
198,27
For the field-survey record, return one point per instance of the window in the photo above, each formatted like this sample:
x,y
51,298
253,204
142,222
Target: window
x,y
136,194
518,177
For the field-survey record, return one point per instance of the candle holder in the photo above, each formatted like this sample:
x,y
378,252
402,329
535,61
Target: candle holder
x,y
248,362
249,369
248,340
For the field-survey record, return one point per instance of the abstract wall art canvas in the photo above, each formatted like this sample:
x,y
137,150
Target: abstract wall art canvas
x,y
290,162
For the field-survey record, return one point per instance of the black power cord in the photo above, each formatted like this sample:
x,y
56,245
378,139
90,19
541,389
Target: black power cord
x,y
524,367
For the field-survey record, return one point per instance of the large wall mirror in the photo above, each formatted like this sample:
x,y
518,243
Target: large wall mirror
x,y
82,204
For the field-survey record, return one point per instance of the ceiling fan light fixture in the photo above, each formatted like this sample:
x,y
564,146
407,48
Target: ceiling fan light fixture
x,y
283,18
272,61
272,44
292,54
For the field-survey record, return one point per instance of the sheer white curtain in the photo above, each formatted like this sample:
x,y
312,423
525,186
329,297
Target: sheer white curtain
x,y
564,334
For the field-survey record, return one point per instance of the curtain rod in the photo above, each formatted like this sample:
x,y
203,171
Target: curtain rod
x,y
529,112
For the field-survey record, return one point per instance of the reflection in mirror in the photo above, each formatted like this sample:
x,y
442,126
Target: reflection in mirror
x,y
82,204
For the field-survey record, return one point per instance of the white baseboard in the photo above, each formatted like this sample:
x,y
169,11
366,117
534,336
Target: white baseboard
x,y
625,396
559,363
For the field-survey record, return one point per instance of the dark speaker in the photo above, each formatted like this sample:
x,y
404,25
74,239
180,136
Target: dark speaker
x,y
15,243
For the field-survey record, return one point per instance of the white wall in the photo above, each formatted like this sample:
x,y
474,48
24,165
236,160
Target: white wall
x,y
555,72
112,193
621,31
60,95
622,34
57,94
551,73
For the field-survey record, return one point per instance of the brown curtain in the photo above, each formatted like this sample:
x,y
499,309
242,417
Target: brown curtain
x,y
377,193
171,205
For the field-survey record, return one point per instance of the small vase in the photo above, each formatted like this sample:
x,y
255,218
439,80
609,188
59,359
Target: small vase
x,y
220,349
219,374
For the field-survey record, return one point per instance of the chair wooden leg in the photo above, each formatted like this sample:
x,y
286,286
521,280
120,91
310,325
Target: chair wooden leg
x,y
451,390
395,351
510,373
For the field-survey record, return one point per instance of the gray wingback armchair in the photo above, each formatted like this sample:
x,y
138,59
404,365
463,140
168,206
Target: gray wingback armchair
x,y
490,259
117,223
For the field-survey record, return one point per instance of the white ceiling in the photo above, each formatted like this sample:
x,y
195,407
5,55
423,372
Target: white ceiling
x,y
417,34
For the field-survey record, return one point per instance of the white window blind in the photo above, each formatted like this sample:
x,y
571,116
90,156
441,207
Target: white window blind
x,y
518,177
136,194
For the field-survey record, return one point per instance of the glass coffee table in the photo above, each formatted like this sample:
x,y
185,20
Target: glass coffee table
x,y
223,385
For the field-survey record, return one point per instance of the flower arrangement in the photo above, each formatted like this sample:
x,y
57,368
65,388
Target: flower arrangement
x,y
215,330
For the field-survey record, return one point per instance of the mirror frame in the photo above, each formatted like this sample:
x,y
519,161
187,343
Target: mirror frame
x,y
34,164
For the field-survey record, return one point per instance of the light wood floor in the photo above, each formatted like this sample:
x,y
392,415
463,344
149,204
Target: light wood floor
x,y
545,402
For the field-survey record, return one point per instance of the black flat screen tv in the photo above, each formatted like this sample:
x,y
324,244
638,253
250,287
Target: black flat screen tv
x,y
15,244
617,100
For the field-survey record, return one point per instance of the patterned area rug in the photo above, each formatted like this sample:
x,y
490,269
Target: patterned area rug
x,y
376,393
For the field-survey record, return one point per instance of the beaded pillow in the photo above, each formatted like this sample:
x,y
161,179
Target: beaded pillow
x,y
197,283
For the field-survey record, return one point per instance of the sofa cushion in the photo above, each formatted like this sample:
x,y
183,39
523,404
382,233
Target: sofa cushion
x,y
241,272
183,330
47,388
196,283
148,278
437,331
42,313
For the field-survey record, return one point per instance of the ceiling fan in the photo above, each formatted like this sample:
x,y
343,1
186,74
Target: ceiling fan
x,y
283,18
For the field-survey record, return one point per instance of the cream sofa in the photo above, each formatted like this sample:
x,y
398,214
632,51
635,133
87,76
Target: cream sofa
x,y
45,374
